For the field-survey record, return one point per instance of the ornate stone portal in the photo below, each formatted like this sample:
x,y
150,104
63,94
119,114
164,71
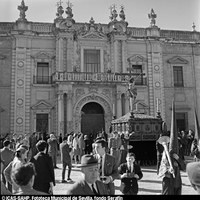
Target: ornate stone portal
x,y
107,107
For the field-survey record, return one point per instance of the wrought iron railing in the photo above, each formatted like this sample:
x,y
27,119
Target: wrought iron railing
x,y
97,77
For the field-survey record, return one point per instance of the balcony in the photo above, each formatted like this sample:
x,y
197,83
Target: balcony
x,y
97,77
42,80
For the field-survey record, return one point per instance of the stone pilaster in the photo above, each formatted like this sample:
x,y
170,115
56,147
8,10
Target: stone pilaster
x,y
59,54
60,113
150,83
119,105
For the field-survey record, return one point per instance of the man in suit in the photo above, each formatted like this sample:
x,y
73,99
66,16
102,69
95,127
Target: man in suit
x,y
45,177
89,184
53,149
108,169
114,145
7,156
65,159
130,174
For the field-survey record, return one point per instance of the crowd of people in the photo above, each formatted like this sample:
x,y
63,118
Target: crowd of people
x,y
28,163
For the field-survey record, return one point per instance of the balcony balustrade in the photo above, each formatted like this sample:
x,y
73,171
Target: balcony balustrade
x,y
97,77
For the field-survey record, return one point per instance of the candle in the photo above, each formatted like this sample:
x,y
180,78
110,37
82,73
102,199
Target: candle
x,y
157,109
113,109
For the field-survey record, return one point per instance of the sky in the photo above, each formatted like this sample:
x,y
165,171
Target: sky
x,y
171,14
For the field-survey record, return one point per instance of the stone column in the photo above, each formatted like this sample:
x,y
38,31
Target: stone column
x,y
60,114
69,110
116,56
119,105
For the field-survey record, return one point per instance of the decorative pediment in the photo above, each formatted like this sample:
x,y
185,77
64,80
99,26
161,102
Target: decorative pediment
x,y
177,60
136,59
42,105
43,55
92,35
91,31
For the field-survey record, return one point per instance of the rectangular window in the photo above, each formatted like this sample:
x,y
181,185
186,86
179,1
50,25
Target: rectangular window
x,y
92,60
42,73
137,73
178,76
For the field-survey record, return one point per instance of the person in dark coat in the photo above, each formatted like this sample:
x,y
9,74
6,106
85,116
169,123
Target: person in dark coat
x,y
65,159
45,177
7,155
88,144
130,174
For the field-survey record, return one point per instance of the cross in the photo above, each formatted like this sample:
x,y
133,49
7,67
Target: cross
x,y
69,4
59,3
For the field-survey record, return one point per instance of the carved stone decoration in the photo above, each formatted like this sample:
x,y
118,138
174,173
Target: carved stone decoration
x,y
20,82
136,59
122,14
152,16
19,120
157,84
43,55
156,68
79,92
20,102
91,98
42,105
93,89
60,10
119,94
22,8
106,60
107,92
113,13
20,64
91,30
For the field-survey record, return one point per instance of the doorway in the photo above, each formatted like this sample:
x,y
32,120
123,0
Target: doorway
x,y
181,121
42,125
92,119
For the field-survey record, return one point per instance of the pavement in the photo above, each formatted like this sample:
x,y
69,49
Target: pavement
x,y
150,184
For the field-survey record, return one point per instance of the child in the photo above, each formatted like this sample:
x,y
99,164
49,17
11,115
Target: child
x,y
130,174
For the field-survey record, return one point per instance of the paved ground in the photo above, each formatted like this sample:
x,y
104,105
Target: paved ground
x,y
150,184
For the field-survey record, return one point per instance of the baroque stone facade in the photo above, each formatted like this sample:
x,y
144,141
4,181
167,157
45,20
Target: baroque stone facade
x,y
43,72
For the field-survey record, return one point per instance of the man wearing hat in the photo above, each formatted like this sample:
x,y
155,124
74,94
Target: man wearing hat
x,y
7,156
193,171
89,184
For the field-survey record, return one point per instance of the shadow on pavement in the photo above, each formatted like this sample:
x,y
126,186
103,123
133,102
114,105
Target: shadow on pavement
x,y
149,190
150,181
